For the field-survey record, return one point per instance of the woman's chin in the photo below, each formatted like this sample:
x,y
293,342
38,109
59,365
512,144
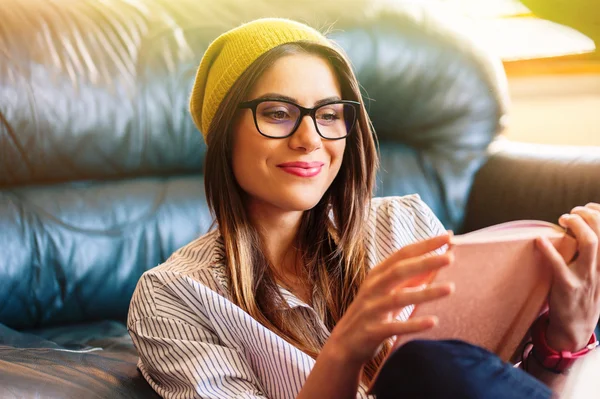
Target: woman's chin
x,y
301,205
300,201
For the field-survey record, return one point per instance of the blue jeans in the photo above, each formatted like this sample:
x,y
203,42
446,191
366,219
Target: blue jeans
x,y
453,369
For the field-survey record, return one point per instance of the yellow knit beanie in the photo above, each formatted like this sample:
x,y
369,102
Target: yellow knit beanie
x,y
228,56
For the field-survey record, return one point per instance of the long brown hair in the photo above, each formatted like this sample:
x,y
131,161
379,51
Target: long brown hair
x,y
336,266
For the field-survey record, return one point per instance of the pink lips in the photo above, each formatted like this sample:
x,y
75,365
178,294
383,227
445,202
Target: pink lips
x,y
302,169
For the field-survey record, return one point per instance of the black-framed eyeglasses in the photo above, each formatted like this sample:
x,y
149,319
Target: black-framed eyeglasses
x,y
278,119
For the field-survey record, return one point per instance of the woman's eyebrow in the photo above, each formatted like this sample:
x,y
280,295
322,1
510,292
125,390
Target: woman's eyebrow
x,y
327,100
276,96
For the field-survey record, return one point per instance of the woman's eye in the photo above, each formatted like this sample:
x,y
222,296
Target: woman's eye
x,y
276,114
328,116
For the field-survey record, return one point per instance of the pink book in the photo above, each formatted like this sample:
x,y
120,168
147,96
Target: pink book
x,y
502,282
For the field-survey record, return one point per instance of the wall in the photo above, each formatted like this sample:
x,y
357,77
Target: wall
x,y
560,108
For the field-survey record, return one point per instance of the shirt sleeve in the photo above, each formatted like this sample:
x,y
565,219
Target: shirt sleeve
x,y
180,356
395,222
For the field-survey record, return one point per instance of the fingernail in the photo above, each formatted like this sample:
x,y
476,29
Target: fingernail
x,y
452,287
450,256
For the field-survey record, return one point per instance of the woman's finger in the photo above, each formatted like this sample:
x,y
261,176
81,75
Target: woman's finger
x,y
560,269
587,241
411,326
593,205
405,297
413,250
590,216
404,270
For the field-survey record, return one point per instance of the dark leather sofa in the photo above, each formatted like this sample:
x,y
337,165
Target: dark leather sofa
x,y
101,167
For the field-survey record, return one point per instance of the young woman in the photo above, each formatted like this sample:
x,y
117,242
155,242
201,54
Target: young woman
x,y
296,294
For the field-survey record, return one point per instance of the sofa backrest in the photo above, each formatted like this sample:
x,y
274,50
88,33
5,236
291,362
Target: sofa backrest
x,y
101,166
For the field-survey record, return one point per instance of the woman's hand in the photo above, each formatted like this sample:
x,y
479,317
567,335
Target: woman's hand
x,y
575,294
370,319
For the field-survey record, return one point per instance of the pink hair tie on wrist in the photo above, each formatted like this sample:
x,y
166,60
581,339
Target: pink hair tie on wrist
x,y
548,358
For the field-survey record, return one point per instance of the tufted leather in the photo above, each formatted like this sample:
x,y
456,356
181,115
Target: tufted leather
x,y
101,167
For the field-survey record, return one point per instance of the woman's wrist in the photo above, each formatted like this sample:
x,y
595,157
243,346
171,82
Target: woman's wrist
x,y
334,375
556,359
562,342
338,353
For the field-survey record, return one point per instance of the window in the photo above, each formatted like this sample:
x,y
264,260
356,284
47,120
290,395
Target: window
x,y
509,29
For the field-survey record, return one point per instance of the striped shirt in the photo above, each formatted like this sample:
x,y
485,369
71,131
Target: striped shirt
x,y
193,342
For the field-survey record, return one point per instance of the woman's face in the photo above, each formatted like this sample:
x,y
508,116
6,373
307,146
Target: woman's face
x,y
292,173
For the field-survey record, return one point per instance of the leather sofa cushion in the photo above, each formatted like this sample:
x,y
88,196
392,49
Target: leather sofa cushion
x,y
532,181
85,361
76,250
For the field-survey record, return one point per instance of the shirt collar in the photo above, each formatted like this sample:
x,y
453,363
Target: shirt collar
x,y
292,300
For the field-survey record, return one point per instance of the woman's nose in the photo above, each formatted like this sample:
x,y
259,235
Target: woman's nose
x,y
306,136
